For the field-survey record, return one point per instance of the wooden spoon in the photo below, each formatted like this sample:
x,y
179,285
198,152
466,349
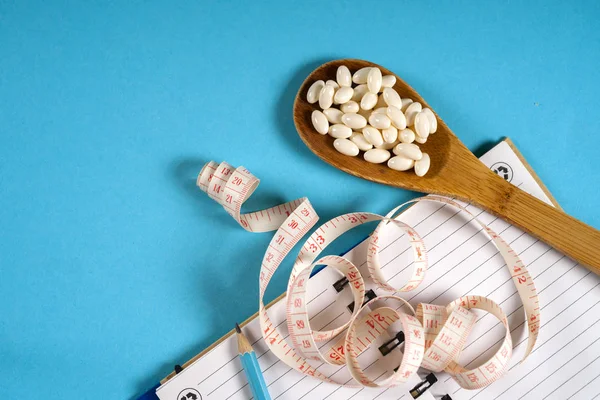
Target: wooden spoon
x,y
454,171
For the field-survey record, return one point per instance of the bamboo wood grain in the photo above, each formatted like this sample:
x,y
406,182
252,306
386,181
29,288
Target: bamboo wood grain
x,y
454,171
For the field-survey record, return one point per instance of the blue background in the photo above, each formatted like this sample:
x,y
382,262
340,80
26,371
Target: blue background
x,y
114,266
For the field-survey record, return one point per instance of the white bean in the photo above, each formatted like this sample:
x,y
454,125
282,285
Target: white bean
x,y
406,136
334,116
408,150
388,81
326,97
432,120
346,147
359,92
396,116
374,80
343,77
319,121
343,95
383,119
350,107
372,135
422,124
411,112
392,98
313,91
379,121
354,121
359,140
422,166
368,101
340,131
377,156
400,163
360,76
390,135
405,103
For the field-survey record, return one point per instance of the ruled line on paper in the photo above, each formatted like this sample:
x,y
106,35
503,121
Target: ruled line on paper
x,y
584,386
543,380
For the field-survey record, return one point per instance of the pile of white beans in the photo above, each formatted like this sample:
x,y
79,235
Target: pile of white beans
x,y
371,117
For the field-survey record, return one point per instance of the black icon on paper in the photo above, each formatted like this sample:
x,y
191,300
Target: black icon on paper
x,y
503,170
189,394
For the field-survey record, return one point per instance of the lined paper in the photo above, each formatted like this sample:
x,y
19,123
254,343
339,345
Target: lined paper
x,y
565,364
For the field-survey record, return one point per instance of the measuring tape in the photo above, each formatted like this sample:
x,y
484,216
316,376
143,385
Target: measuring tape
x,y
434,335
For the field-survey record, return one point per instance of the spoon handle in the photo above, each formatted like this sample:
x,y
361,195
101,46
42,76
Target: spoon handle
x,y
566,234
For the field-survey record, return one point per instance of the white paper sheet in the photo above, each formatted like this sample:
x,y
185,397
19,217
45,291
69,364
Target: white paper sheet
x,y
565,363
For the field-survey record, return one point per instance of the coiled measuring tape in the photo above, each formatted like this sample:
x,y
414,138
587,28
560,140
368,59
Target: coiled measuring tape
x,y
434,335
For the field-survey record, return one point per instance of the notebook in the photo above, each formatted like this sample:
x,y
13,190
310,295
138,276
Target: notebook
x,y
565,363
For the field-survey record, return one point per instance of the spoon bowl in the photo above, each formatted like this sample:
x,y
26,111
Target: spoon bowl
x,y
454,171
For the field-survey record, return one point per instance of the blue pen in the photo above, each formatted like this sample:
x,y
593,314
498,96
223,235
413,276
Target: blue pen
x,y
251,367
